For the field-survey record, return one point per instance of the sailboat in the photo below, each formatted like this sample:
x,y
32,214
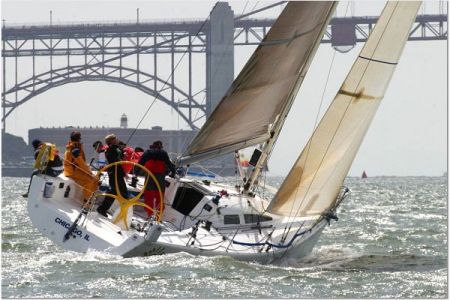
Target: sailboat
x,y
209,218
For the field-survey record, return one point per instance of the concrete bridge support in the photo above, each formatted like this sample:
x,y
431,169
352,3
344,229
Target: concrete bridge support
x,y
219,54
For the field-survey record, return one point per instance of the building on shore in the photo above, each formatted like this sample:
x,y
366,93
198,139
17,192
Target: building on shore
x,y
175,141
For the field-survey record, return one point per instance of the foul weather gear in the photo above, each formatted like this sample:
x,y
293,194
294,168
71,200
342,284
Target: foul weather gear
x,y
75,167
158,162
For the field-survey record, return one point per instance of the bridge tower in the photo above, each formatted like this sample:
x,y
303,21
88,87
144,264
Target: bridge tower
x,y
219,54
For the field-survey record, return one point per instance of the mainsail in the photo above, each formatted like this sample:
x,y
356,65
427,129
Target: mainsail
x,y
264,87
313,183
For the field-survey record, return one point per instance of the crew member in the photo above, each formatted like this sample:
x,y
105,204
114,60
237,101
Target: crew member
x,y
127,152
157,161
53,165
99,161
113,154
76,168
137,154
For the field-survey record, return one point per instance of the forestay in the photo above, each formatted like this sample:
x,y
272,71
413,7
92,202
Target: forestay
x,y
313,183
264,87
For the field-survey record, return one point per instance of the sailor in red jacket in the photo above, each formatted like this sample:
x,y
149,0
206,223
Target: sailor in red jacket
x,y
158,162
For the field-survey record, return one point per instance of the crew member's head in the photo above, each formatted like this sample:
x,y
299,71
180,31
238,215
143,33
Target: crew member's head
x,y
75,136
36,143
121,145
156,145
111,139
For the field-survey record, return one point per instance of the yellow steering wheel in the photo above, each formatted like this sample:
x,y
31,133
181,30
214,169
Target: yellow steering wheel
x,y
126,204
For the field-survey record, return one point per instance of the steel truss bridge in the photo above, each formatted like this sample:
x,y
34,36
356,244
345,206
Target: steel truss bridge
x,y
160,59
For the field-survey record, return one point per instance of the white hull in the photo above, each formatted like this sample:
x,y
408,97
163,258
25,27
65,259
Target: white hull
x,y
53,216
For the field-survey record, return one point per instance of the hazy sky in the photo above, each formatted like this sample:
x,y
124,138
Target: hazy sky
x,y
407,137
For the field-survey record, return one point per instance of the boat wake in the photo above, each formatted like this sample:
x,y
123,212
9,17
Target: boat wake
x,y
348,260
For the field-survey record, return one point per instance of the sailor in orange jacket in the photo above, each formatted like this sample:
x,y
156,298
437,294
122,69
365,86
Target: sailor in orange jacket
x,y
75,166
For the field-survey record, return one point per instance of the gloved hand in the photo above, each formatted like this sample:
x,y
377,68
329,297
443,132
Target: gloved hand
x,y
76,152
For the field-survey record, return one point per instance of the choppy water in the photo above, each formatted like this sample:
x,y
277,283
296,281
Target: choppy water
x,y
390,241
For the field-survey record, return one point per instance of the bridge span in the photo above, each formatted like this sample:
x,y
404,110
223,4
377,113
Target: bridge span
x,y
147,56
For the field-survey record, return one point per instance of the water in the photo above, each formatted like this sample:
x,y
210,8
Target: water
x,y
390,241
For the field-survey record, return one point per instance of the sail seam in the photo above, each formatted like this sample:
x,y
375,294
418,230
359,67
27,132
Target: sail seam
x,y
377,60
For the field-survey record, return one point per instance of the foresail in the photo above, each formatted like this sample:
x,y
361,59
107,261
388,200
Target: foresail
x,y
264,87
313,183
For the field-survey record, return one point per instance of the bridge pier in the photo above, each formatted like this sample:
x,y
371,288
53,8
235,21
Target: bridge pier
x,y
219,54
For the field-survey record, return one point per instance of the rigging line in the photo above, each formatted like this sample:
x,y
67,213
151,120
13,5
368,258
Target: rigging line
x,y
266,242
280,246
297,234
231,240
253,9
214,76
348,105
165,83
203,246
242,16
84,172
245,7
291,217
88,213
206,170
264,189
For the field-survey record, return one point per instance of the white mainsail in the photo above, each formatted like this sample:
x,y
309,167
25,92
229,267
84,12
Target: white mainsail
x,y
264,87
314,182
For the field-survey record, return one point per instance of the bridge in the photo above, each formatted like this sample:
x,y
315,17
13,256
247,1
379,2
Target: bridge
x,y
157,58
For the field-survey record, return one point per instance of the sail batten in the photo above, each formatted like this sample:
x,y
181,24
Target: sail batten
x,y
263,89
313,183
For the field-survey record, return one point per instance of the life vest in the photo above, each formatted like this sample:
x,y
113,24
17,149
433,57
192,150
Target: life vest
x,y
132,156
127,153
136,156
47,152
